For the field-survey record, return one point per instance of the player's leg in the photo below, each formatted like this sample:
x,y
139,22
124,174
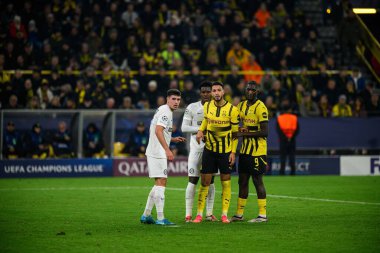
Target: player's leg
x,y
257,178
292,158
189,197
210,201
158,170
245,162
209,167
194,165
147,215
225,178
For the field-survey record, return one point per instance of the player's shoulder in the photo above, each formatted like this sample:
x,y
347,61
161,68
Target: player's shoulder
x,y
164,109
194,105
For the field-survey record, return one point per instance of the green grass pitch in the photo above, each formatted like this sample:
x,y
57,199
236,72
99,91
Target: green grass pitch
x,y
306,214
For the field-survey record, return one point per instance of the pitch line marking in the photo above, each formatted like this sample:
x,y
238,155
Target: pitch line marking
x,y
180,189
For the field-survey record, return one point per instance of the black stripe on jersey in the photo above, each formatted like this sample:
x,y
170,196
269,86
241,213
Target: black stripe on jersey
x,y
224,144
246,108
256,108
228,140
249,146
232,123
217,111
229,113
256,142
227,128
254,128
208,106
245,140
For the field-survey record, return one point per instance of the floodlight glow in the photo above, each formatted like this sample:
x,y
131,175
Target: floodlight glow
x,y
364,10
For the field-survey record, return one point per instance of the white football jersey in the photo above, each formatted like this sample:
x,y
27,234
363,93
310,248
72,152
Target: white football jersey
x,y
162,117
192,119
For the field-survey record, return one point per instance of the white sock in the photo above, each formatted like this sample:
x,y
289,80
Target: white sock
x,y
210,200
189,197
159,201
150,202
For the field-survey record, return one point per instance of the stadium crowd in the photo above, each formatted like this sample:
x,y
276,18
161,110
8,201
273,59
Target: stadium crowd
x,y
99,37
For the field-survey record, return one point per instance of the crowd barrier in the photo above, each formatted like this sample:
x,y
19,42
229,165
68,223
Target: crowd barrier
x,y
131,167
116,126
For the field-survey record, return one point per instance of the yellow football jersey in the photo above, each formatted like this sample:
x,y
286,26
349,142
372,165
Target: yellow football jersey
x,y
218,124
251,116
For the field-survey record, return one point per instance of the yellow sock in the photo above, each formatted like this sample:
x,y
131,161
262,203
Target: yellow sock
x,y
240,207
202,196
262,207
226,196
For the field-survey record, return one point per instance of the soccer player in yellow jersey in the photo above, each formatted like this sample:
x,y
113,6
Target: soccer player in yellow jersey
x,y
253,153
221,121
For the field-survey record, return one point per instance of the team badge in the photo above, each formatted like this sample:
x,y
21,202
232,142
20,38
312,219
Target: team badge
x,y
164,118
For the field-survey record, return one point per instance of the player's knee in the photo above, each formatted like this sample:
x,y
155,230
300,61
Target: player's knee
x,y
194,180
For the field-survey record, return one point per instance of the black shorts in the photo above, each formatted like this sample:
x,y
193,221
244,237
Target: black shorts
x,y
212,162
253,165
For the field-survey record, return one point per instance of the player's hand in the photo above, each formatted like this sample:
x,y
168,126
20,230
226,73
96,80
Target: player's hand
x,y
169,155
178,139
243,129
199,137
231,159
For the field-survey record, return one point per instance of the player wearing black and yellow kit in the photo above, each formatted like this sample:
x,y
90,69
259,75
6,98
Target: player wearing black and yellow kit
x,y
253,153
221,121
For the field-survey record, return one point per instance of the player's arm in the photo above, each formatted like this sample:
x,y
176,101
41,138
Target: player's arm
x,y
187,126
234,129
203,127
262,115
159,131
262,133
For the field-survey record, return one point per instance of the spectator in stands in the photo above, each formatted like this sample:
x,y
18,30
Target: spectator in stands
x,y
62,141
12,142
138,140
358,79
358,108
374,106
277,93
152,93
170,56
324,106
233,78
331,92
127,103
261,16
252,65
13,103
189,95
37,144
93,141
308,108
237,55
342,109
44,94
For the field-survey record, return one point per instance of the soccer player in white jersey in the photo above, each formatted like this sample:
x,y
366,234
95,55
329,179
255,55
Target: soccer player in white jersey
x,y
192,119
158,154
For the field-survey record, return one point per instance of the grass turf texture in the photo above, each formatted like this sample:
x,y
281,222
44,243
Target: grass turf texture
x,y
102,215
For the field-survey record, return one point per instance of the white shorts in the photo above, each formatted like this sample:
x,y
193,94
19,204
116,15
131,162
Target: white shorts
x,y
194,163
157,167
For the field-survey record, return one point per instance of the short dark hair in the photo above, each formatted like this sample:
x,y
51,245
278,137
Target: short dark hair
x,y
173,92
253,83
217,83
205,84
